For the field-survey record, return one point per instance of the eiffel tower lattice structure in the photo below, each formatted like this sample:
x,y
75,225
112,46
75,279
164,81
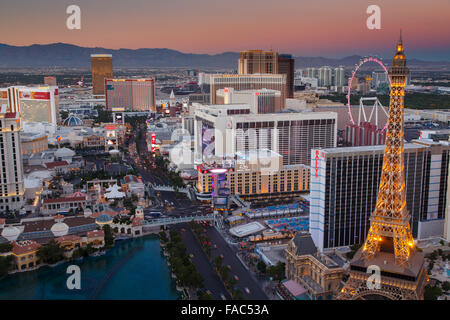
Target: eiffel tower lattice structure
x,y
389,244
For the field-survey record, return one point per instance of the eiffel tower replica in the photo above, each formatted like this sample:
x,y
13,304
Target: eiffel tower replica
x,y
389,244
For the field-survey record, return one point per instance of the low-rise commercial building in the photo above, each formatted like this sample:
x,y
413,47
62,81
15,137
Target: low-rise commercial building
x,y
248,82
33,143
25,255
260,101
63,205
320,274
134,185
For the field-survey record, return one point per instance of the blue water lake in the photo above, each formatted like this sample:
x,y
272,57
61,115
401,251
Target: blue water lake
x,y
132,269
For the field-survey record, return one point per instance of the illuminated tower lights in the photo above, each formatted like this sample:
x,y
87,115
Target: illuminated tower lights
x,y
403,275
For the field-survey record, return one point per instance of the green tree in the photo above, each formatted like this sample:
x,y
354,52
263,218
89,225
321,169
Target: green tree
x,y
109,237
237,295
5,265
103,115
354,248
163,237
432,293
77,253
445,286
51,252
433,256
203,295
224,272
64,114
5,247
90,249
218,262
261,266
277,272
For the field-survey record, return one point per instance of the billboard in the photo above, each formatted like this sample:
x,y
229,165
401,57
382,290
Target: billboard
x,y
34,95
110,127
208,139
153,141
118,118
220,202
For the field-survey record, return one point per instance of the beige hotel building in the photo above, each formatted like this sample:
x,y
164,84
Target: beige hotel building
x,y
248,82
258,61
256,173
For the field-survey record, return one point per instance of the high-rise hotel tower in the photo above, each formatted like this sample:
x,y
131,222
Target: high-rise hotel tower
x,y
11,169
101,67
258,61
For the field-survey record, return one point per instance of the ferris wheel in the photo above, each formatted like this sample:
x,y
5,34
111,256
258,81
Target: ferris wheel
x,y
377,107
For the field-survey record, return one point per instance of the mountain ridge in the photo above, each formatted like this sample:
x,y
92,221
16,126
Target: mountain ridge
x,y
69,55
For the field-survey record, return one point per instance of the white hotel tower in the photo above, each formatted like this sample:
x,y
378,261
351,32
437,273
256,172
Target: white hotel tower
x,y
11,169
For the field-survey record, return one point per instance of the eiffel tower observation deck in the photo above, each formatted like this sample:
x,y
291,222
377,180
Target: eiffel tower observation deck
x,y
389,244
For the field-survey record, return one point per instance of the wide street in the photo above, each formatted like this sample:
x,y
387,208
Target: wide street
x,y
246,279
178,205
201,262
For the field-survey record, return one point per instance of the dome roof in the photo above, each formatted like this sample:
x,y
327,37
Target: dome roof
x,y
103,219
114,187
87,212
72,121
11,233
59,229
64,152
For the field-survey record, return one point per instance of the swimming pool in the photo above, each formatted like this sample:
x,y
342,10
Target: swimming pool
x,y
290,224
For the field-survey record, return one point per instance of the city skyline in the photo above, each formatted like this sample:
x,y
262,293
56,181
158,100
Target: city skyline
x,y
224,150
322,28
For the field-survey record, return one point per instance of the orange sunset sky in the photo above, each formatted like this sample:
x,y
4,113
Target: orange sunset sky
x,y
328,28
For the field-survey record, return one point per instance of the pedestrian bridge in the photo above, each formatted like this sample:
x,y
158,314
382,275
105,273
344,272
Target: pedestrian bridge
x,y
168,188
241,203
175,220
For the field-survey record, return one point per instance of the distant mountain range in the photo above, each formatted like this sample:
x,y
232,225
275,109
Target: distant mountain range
x,y
68,55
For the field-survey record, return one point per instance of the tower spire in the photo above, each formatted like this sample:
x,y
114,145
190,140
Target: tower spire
x,y
389,243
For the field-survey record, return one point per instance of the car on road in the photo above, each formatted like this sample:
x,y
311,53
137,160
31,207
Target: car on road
x,y
247,290
222,297
229,267
215,246
221,256
191,255
236,278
